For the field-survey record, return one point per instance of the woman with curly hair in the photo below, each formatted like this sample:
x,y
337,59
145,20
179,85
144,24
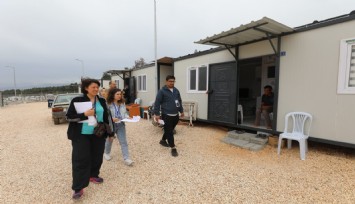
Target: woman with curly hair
x,y
118,110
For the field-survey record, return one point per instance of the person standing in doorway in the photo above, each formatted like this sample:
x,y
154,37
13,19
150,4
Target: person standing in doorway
x,y
168,101
112,85
126,93
266,107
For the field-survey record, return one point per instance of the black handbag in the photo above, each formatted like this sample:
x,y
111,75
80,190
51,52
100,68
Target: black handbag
x,y
102,129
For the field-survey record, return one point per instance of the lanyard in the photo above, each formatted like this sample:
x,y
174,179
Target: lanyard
x,y
117,111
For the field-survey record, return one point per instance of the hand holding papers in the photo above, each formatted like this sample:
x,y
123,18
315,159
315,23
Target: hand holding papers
x,y
81,107
161,122
134,119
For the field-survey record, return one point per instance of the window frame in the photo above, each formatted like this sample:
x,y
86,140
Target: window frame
x,y
197,68
141,81
345,66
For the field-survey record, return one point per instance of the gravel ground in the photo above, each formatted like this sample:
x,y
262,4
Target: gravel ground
x,y
35,163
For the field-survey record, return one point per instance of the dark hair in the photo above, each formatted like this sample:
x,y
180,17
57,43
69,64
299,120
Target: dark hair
x,y
268,87
111,96
86,82
169,77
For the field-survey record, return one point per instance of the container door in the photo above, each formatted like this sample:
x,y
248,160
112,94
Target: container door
x,y
222,93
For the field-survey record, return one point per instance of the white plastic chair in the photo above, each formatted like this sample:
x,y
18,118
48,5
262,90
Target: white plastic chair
x,y
298,132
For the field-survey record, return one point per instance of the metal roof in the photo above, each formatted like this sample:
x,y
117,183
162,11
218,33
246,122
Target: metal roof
x,y
251,32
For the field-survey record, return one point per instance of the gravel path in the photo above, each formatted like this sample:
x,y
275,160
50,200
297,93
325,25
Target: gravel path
x,y
35,167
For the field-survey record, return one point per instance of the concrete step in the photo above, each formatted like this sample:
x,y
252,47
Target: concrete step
x,y
245,140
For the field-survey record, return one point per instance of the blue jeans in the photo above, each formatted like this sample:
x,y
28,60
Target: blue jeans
x,y
120,129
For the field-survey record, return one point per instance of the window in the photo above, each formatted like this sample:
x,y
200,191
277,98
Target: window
x,y
346,77
197,79
142,83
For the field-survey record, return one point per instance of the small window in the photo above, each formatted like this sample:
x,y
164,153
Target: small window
x,y
193,79
142,83
197,79
346,77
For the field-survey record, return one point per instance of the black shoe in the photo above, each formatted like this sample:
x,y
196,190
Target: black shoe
x,y
164,143
174,152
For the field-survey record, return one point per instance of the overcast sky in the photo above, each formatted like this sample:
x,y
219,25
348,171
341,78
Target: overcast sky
x,y
42,38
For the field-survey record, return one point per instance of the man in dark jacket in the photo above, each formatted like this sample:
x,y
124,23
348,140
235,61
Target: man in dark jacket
x,y
168,100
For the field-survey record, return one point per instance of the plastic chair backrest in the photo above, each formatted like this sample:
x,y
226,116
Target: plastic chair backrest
x,y
299,121
137,101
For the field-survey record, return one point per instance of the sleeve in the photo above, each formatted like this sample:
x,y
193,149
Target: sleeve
x,y
157,103
112,110
108,117
72,115
181,109
125,115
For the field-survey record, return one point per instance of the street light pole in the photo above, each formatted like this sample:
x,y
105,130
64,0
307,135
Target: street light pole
x,y
155,48
14,77
82,67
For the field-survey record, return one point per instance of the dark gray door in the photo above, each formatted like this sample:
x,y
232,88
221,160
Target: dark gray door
x,y
222,93
132,89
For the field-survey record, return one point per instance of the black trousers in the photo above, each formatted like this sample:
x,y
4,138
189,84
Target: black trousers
x,y
86,159
170,123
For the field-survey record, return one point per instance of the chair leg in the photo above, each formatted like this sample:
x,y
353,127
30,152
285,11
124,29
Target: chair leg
x,y
289,144
279,145
302,149
306,142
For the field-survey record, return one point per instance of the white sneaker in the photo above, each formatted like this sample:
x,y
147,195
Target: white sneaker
x,y
128,162
107,157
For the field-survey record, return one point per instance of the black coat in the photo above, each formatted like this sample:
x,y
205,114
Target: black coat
x,y
73,117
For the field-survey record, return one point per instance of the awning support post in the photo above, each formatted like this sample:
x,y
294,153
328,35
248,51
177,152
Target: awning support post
x,y
229,49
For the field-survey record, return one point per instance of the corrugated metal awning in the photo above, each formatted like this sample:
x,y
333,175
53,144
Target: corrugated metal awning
x,y
251,32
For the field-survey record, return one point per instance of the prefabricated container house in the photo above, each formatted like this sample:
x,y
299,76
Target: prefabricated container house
x,y
146,82
311,68
142,83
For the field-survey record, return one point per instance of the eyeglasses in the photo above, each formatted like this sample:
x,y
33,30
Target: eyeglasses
x,y
171,81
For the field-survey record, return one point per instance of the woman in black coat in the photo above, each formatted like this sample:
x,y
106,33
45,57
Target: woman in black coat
x,y
88,149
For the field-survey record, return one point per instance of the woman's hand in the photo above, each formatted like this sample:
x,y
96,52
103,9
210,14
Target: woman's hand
x,y
89,112
110,139
116,120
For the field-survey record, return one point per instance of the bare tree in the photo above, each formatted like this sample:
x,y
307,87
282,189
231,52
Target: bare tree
x,y
139,63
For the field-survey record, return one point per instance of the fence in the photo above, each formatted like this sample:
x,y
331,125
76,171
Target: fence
x,y
24,98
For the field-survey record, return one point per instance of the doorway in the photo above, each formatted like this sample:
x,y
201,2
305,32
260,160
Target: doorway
x,y
254,75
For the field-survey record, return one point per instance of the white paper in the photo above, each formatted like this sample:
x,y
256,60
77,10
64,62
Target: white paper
x,y
134,119
161,122
81,107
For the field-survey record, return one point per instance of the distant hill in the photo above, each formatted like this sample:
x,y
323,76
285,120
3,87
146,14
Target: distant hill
x,y
71,88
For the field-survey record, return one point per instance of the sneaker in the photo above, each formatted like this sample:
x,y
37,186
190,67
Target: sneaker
x,y
174,152
107,157
164,143
128,162
96,180
78,194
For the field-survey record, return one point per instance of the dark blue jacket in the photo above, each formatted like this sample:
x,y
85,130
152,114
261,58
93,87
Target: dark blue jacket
x,y
165,101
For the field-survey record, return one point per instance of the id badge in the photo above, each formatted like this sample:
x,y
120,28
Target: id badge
x,y
177,103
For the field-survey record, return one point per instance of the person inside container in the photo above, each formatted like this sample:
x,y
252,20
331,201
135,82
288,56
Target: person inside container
x,y
266,107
